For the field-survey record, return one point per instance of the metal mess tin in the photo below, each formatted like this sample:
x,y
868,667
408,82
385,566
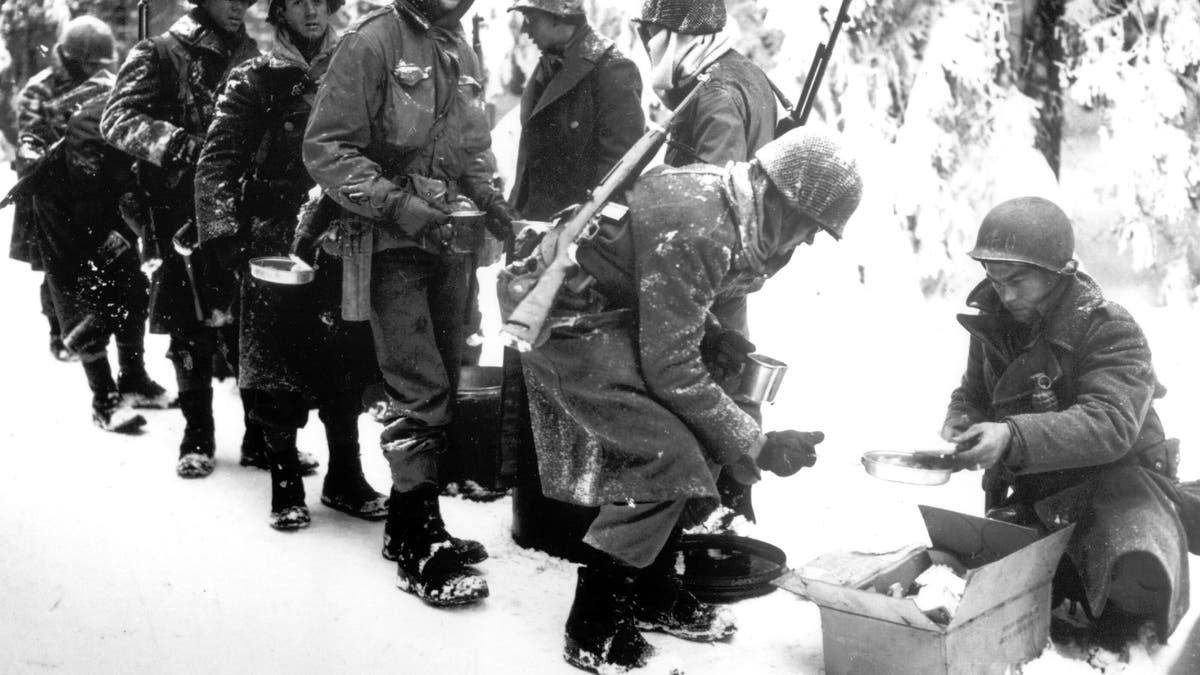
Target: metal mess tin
x,y
277,269
761,377
914,468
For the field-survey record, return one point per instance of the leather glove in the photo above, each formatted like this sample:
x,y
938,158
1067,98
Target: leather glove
x,y
786,452
418,217
499,221
304,247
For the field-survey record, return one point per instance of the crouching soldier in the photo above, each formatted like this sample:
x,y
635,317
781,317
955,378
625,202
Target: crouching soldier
x,y
296,351
1056,406
626,414
158,113
399,138
91,267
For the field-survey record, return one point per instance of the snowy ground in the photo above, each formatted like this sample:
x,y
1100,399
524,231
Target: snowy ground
x,y
112,564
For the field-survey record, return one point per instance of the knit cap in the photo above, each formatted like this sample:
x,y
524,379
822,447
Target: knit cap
x,y
689,17
816,174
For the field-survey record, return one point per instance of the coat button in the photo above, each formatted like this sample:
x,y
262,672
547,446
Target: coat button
x,y
288,126
574,124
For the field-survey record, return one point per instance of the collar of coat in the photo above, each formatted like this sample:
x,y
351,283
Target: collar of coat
x,y
190,30
580,56
1066,318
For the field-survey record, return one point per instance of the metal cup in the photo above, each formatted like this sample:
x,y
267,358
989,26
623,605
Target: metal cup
x,y
466,228
760,379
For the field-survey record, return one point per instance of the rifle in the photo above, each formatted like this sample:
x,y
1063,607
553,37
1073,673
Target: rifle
x,y
537,284
798,116
143,20
33,176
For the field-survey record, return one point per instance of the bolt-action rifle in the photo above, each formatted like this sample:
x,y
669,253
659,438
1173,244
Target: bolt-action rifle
x,y
534,284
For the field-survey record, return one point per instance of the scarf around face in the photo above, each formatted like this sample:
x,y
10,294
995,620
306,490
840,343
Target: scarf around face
x,y
286,50
676,59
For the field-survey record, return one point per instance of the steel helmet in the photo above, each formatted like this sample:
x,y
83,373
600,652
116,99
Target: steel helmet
x,y
88,40
1029,230
688,17
556,7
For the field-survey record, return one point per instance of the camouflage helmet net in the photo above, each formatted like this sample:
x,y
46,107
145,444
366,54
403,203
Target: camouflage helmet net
x,y
816,174
690,17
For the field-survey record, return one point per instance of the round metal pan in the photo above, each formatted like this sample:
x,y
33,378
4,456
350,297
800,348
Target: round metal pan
x,y
728,567
914,468
277,269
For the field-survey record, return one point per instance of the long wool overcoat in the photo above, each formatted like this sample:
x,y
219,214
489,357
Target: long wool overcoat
x,y
575,124
162,105
292,338
623,406
1089,459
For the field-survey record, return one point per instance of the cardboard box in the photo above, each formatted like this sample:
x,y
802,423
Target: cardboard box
x,y
1002,620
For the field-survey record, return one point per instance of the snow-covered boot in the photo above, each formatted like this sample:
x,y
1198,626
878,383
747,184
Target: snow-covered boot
x,y
135,384
346,488
109,412
426,563
467,551
661,603
601,635
198,445
254,452
288,511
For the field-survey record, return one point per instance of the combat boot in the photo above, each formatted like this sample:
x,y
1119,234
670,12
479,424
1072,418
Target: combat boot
x,y
601,635
466,551
135,384
198,446
346,488
288,511
254,452
109,411
426,564
661,603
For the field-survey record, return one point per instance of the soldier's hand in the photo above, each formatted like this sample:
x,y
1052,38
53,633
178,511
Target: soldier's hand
x,y
303,247
724,351
786,452
418,217
982,444
499,221
955,426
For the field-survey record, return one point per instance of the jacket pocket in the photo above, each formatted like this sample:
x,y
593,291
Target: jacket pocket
x,y
408,112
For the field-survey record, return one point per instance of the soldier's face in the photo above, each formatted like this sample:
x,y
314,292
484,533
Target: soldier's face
x,y
544,31
306,18
1021,288
228,15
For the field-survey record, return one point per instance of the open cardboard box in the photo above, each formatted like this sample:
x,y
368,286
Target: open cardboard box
x,y
1002,620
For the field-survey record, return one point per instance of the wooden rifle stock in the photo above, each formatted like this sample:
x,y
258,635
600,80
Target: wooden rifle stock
x,y
523,326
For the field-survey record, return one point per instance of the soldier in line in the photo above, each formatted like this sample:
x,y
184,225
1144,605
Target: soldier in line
x,y
733,116
399,138
158,113
92,268
296,351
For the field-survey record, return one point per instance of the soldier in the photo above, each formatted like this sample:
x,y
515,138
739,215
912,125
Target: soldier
x,y
1056,406
399,138
91,270
733,116
296,351
626,414
580,110
159,112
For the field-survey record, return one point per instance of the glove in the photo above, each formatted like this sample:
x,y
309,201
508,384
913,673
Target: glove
x,y
499,221
184,150
304,247
786,452
724,351
418,217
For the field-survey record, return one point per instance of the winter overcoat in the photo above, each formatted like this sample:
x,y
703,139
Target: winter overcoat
x,y
623,406
159,113
576,122
1088,459
251,176
402,98
733,116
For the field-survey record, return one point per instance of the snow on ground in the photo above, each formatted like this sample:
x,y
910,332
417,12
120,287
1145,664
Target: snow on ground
x,y
113,564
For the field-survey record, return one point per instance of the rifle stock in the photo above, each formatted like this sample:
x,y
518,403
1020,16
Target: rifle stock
x,y
528,318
